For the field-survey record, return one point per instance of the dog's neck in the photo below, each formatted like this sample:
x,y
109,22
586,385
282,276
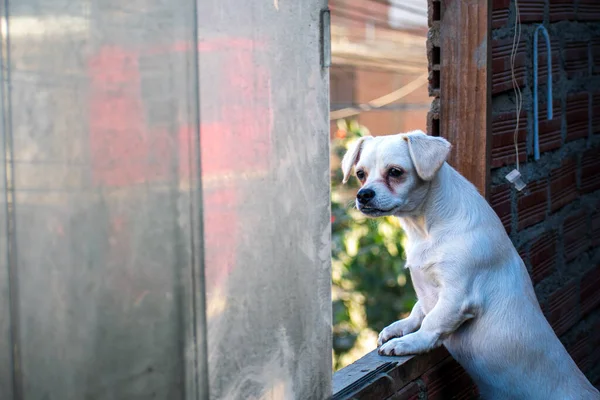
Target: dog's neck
x,y
447,199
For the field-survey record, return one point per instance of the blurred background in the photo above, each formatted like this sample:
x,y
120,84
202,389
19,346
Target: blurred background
x,y
378,87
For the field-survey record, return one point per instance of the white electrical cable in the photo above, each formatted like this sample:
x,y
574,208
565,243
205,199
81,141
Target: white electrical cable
x,y
514,176
516,88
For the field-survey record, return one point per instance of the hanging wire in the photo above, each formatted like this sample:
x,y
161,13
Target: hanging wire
x,y
515,83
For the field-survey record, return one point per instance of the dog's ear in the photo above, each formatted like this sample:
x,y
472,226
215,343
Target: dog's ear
x,y
428,153
351,157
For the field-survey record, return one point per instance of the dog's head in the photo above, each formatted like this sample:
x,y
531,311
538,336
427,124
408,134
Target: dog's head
x,y
395,171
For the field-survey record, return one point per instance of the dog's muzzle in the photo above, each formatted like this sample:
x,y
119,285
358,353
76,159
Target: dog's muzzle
x,y
364,196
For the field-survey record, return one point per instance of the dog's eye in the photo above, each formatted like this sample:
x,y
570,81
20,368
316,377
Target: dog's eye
x,y
360,174
395,172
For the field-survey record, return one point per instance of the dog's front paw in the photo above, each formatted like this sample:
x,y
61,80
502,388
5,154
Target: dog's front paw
x,y
395,330
395,347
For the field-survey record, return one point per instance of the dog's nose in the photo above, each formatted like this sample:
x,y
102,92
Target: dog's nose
x,y
365,195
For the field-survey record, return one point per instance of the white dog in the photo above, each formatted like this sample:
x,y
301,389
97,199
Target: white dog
x,y
474,293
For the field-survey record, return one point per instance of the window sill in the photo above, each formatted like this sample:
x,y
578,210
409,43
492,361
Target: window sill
x,y
379,377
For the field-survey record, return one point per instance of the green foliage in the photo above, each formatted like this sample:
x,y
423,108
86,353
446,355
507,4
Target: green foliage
x,y
370,288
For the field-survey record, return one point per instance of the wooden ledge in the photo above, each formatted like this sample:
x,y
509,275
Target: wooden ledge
x,y
379,377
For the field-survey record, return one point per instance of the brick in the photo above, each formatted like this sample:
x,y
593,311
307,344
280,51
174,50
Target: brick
x,y
381,387
503,130
590,291
562,10
595,43
590,171
543,60
563,185
550,131
596,227
596,113
561,310
501,71
501,203
576,59
588,10
409,392
433,11
542,256
434,55
524,254
434,83
500,12
580,351
577,116
448,380
595,343
532,10
433,123
575,236
532,207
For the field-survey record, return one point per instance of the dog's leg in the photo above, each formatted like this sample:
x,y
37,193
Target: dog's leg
x,y
451,310
404,326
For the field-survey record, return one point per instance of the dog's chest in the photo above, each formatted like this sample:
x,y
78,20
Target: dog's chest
x,y
421,263
426,286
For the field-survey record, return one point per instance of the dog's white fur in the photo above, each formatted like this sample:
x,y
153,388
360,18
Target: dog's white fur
x,y
474,293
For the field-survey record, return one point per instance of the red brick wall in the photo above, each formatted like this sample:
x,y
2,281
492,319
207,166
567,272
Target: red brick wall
x,y
371,84
555,222
446,380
